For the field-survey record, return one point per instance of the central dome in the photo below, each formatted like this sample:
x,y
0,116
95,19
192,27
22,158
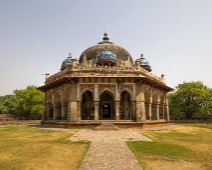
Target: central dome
x,y
92,52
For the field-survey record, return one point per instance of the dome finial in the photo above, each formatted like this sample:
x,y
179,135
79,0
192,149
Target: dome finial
x,y
105,38
70,56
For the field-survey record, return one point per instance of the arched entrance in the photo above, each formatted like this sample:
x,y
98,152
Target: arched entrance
x,y
87,106
106,106
57,107
125,106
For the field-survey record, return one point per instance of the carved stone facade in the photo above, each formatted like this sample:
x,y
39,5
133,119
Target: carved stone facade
x,y
105,85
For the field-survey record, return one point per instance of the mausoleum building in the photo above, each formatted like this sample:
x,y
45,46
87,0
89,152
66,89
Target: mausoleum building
x,y
105,84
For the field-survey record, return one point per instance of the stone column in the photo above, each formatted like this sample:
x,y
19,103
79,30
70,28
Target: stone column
x,y
167,109
157,111
117,110
134,110
96,95
54,112
69,112
138,111
141,109
150,111
143,112
117,94
140,104
62,110
96,110
150,106
79,116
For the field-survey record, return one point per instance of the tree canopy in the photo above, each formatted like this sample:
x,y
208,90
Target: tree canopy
x,y
28,101
190,99
7,104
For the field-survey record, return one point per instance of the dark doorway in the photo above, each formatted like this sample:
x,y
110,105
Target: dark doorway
x,y
106,111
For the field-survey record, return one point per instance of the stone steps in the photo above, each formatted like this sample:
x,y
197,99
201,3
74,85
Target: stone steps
x,y
107,126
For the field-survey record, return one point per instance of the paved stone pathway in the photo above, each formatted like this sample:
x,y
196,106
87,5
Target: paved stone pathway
x,y
108,150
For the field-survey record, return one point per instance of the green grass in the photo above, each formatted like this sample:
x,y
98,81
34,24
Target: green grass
x,y
190,145
23,147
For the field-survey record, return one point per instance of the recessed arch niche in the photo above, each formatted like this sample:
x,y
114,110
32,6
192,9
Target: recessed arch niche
x,y
87,106
106,106
125,106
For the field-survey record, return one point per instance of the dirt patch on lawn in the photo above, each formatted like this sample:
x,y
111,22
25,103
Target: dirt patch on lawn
x,y
190,129
175,165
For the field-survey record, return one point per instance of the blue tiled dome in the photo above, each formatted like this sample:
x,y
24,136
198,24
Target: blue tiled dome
x,y
106,56
66,62
144,63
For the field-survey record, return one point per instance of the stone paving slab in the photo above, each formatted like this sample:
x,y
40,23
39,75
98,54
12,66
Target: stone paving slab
x,y
108,150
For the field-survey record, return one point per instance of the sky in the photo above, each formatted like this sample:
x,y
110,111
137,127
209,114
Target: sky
x,y
175,36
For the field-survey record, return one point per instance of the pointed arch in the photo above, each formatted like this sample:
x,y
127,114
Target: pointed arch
x,y
108,91
129,91
57,97
49,98
87,105
57,106
84,90
126,105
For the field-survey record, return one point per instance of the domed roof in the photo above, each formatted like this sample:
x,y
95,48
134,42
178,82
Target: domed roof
x,y
66,62
144,63
106,45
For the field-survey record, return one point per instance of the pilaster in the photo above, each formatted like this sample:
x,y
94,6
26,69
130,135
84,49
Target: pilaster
x,y
62,111
167,110
150,111
134,110
117,110
157,111
54,112
96,110
72,114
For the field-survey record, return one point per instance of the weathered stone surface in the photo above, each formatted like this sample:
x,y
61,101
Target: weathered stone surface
x,y
107,126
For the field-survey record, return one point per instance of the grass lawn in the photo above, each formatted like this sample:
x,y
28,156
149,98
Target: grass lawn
x,y
23,147
187,147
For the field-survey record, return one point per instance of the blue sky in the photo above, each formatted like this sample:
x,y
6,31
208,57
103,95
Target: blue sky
x,y
175,36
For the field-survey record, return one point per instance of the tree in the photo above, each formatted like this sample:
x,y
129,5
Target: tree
x,y
190,99
29,101
8,104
